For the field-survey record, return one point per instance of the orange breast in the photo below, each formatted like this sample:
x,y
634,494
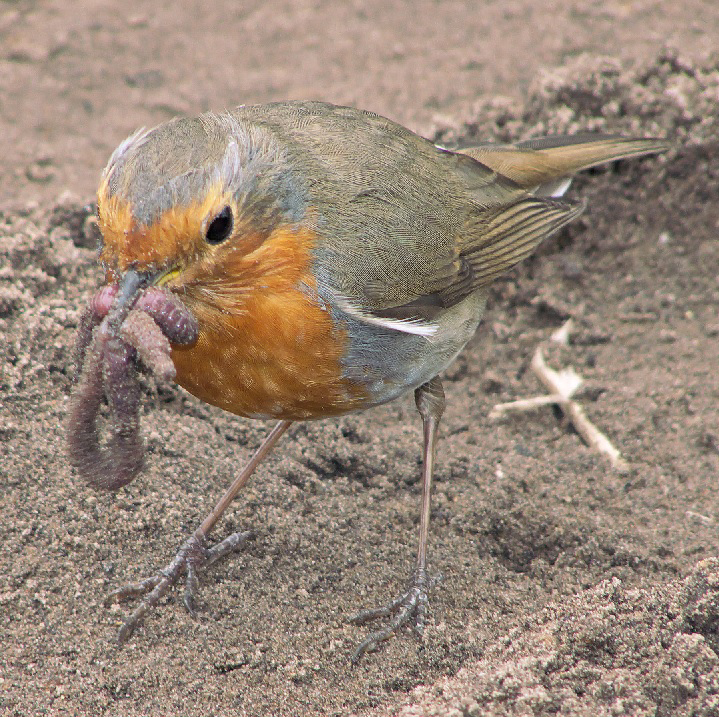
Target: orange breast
x,y
267,346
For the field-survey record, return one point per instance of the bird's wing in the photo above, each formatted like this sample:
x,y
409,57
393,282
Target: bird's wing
x,y
512,192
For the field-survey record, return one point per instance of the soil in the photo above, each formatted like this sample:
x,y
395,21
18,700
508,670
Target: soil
x,y
569,587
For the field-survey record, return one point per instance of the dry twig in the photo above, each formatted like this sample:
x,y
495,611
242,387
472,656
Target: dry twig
x,y
562,385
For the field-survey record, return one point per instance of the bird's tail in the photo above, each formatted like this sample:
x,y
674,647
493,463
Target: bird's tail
x,y
544,166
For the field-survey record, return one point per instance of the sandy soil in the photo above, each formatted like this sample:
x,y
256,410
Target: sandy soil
x,y
569,588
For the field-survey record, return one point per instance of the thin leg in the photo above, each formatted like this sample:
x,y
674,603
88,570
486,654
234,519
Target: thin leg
x,y
430,404
193,556
411,607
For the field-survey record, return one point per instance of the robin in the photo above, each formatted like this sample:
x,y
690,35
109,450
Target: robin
x,y
300,260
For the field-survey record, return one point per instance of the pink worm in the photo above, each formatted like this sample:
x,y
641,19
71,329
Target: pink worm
x,y
106,361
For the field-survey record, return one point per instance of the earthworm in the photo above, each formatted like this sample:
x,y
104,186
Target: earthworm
x,y
115,336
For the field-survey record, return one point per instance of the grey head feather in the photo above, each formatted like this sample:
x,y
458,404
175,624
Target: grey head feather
x,y
131,143
174,164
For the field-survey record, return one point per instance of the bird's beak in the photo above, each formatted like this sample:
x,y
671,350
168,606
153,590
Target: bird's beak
x,y
131,284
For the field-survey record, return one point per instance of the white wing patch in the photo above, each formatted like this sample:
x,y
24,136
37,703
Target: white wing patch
x,y
554,188
417,327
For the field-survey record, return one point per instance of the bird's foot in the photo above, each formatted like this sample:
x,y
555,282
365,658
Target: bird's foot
x,y
192,557
409,608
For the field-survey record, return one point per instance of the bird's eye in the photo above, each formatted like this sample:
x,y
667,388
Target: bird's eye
x,y
220,227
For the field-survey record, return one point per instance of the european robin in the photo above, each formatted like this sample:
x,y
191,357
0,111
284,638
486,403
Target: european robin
x,y
297,261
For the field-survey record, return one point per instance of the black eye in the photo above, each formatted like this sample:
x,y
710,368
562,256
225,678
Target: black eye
x,y
220,227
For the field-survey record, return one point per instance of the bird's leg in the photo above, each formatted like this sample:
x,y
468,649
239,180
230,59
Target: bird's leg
x,y
411,607
193,556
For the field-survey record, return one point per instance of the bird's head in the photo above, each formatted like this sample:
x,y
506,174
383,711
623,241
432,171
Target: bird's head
x,y
193,204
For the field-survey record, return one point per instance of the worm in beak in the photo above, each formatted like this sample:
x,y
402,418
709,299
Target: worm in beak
x,y
125,325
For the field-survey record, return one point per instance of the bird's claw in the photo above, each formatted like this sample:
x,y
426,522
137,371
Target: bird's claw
x,y
409,608
192,557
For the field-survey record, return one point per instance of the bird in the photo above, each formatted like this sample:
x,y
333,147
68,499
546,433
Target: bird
x,y
300,261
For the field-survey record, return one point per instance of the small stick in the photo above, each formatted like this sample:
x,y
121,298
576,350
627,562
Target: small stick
x,y
586,429
562,385
524,404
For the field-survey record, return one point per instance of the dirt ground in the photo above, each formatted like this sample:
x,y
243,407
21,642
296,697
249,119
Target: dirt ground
x,y
569,588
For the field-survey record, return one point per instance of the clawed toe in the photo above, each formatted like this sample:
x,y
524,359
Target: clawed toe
x,y
192,557
410,608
